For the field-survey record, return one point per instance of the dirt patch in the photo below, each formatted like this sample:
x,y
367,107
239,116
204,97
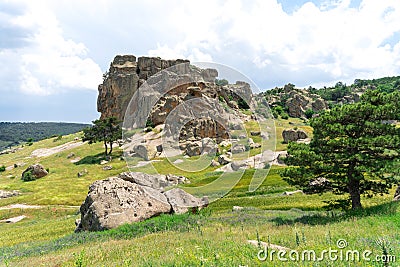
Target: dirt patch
x,y
19,206
14,219
45,152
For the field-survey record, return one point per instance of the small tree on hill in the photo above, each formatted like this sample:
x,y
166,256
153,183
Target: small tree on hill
x,y
354,150
104,130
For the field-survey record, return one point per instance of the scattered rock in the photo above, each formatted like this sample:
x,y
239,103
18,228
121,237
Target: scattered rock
x,y
208,146
224,159
174,179
75,160
238,148
7,194
293,135
237,208
159,148
37,170
182,202
82,173
70,155
178,161
214,163
225,143
237,165
255,133
103,162
242,136
141,151
107,168
281,157
289,193
193,149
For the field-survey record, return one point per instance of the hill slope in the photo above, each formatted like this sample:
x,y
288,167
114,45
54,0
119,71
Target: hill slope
x,y
14,133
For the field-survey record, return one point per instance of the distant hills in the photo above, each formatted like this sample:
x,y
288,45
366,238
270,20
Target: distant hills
x,y
15,133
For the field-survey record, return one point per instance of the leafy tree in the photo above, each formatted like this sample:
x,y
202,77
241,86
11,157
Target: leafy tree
x,y
221,82
104,130
354,150
309,113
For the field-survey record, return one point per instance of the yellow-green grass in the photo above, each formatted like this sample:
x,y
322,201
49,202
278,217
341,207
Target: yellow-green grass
x,y
61,186
222,241
281,124
218,239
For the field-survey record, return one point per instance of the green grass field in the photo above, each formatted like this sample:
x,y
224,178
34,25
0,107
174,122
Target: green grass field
x,y
216,236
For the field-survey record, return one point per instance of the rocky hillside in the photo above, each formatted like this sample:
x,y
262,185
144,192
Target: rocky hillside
x,y
304,103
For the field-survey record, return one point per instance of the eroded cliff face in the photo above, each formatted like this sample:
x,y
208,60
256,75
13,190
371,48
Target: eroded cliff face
x,y
125,76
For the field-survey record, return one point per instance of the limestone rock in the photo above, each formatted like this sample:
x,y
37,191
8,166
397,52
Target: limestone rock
x,y
156,181
7,194
182,202
124,77
37,170
291,135
224,159
215,163
193,149
238,148
114,201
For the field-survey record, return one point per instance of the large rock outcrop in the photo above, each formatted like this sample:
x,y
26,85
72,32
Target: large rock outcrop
x,y
133,197
124,77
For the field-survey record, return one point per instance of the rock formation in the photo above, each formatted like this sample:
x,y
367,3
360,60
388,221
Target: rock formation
x,y
123,79
296,101
291,135
133,197
37,170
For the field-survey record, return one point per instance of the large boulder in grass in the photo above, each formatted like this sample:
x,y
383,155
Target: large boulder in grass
x,y
182,202
114,201
37,171
133,197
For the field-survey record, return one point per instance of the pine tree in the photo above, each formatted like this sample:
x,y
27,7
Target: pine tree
x,y
104,130
354,150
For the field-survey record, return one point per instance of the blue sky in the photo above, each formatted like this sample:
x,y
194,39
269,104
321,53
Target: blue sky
x,y
53,53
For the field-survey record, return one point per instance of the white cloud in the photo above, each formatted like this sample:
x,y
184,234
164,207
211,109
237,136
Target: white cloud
x,y
333,39
48,63
320,42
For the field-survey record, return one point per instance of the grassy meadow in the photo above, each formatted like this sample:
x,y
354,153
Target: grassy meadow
x,y
214,236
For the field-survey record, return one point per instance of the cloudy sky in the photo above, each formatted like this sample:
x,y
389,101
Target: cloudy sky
x,y
53,53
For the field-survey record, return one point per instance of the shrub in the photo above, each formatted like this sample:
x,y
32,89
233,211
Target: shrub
x,y
28,176
59,137
309,113
2,168
285,116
